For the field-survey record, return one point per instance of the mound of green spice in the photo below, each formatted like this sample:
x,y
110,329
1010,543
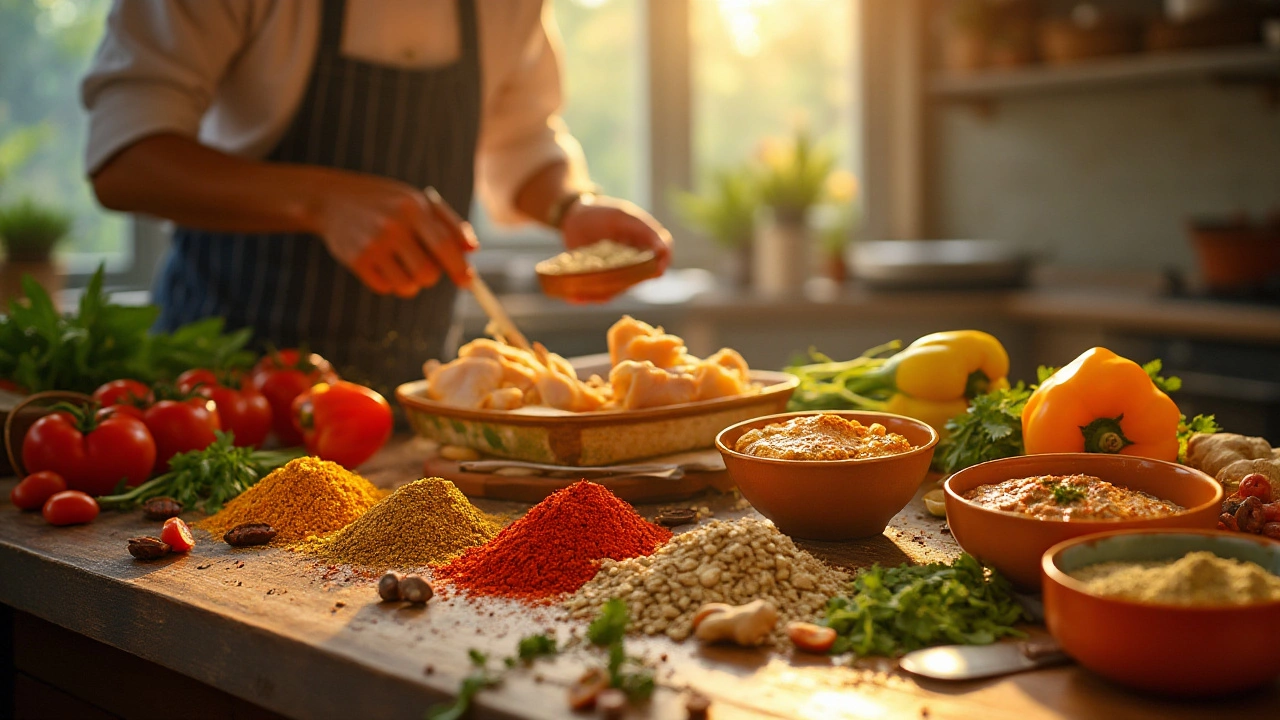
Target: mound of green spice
x,y
894,610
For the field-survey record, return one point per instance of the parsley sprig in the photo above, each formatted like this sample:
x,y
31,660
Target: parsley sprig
x,y
895,610
626,672
529,649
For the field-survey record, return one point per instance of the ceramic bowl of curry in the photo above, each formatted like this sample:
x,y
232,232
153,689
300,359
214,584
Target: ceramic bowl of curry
x,y
1013,542
1166,647
831,499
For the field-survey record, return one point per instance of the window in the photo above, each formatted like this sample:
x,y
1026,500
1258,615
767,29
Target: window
x,y
45,47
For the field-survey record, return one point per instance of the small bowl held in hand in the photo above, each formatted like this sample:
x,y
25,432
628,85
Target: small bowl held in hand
x,y
831,499
592,274
1178,650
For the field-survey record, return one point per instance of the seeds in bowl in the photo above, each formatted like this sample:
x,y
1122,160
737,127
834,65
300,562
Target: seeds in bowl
x,y
598,256
821,437
1070,497
1197,578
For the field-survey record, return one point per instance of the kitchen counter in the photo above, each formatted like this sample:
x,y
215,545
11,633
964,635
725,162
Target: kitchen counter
x,y
303,639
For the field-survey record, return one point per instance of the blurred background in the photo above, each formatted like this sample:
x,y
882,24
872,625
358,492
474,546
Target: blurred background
x,y
838,173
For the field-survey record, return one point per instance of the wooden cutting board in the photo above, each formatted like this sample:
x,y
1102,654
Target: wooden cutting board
x,y
533,488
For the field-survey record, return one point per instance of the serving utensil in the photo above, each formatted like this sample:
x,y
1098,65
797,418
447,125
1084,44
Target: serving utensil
x,y
972,662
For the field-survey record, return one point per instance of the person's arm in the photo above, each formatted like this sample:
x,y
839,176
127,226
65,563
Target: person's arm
x,y
383,230
153,79
529,166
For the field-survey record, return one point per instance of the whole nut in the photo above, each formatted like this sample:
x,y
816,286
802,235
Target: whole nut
x,y
148,548
248,534
161,508
673,518
389,586
415,589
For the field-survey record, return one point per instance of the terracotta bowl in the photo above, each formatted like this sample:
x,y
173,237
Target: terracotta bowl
x,y
1166,649
831,499
1013,543
596,286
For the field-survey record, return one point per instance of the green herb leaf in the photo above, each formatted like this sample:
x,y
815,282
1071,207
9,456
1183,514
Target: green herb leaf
x,y
908,607
990,429
1064,494
611,625
1206,424
532,647
1167,385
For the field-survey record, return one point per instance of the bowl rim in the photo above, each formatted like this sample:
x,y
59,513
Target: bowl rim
x,y
927,447
1053,573
1218,495
650,260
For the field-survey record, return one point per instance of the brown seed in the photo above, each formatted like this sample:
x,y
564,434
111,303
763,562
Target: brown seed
x,y
415,589
612,703
161,508
248,534
389,586
697,706
1250,516
679,516
148,548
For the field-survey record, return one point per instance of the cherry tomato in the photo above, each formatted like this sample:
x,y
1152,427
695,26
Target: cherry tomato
x,y
1255,485
70,507
92,454
811,638
343,422
35,489
243,411
281,377
176,533
179,426
129,393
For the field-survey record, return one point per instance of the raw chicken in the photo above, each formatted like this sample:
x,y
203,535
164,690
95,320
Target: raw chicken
x,y
631,339
715,381
643,385
465,382
507,398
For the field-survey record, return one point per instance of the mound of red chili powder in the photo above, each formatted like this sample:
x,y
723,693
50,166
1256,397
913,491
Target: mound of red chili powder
x,y
557,546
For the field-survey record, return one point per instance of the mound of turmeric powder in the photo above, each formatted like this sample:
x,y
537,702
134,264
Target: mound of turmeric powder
x,y
305,497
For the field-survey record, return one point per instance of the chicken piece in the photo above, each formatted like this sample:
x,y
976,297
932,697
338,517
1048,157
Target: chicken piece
x,y
714,381
429,367
507,398
642,385
465,382
622,333
557,391
520,367
730,359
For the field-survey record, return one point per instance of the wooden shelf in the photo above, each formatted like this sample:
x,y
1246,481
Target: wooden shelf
x,y
1237,64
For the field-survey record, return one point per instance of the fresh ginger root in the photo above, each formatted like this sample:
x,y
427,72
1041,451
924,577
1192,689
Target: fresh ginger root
x,y
1230,457
746,625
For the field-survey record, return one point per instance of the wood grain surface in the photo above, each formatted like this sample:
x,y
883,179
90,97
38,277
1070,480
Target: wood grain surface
x,y
298,637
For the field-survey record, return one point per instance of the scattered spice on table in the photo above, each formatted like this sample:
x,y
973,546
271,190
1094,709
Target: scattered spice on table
x,y
557,546
305,497
426,522
728,562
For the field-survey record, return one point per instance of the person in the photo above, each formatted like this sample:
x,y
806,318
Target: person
x,y
313,157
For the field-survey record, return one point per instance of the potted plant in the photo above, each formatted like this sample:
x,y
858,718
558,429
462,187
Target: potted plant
x,y
837,223
791,179
29,232
725,212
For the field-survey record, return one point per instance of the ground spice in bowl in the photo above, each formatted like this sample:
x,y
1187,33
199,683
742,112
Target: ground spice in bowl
x,y
426,522
305,497
556,547
1197,578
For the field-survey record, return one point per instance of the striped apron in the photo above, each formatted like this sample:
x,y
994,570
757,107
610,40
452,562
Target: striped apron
x,y
416,126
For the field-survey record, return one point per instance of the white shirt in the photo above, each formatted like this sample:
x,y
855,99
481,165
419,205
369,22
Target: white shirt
x,y
232,73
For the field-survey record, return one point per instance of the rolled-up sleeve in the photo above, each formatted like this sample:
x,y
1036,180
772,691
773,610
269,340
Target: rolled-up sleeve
x,y
521,131
157,69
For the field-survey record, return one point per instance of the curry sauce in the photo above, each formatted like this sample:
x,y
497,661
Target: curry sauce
x,y
821,437
1070,497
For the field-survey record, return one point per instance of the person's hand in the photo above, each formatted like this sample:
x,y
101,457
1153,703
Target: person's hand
x,y
391,235
603,218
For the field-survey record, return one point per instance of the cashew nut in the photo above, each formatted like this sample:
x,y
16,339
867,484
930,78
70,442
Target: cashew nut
x,y
746,625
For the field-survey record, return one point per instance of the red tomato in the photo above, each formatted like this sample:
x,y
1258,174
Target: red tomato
x,y
70,507
281,377
177,535
35,489
343,422
243,411
181,426
92,454
130,393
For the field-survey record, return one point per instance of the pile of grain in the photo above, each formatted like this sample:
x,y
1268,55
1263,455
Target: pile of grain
x,y
426,522
305,497
730,562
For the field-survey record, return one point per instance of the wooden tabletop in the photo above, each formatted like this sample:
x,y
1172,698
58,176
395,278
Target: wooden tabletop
x,y
296,636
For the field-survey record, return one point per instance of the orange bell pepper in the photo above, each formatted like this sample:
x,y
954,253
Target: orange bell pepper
x,y
1101,402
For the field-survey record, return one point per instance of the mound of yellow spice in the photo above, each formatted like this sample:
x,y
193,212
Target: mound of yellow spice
x,y
426,522
305,497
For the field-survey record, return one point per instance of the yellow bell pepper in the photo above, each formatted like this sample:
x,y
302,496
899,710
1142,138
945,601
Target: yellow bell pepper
x,y
934,412
950,365
1101,402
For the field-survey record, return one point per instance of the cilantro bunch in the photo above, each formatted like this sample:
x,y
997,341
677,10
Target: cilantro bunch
x,y
895,610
